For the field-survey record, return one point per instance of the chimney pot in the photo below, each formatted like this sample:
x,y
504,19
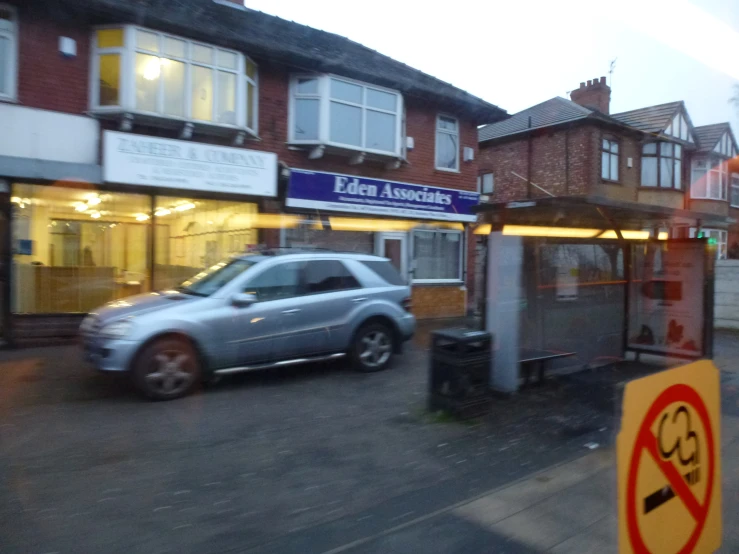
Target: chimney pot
x,y
590,83
596,95
602,80
582,85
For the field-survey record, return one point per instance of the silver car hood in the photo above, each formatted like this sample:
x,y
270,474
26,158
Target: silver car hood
x,y
142,303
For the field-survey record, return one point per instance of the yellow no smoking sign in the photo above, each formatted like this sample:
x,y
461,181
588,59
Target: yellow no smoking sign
x,y
669,462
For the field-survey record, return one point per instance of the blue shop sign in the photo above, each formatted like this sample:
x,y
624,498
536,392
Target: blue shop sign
x,y
352,193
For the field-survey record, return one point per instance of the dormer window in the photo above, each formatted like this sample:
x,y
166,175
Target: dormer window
x,y
155,75
333,111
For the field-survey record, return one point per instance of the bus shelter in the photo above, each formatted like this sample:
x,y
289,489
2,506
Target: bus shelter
x,y
583,282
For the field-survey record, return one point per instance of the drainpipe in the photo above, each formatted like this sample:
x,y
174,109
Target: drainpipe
x,y
567,161
528,163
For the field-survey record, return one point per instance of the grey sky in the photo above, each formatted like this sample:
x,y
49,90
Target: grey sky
x,y
518,53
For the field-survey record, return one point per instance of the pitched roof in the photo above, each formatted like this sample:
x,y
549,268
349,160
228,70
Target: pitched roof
x,y
272,38
553,111
709,135
653,119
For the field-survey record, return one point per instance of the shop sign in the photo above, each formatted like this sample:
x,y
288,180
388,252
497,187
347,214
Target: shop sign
x,y
666,301
184,165
352,193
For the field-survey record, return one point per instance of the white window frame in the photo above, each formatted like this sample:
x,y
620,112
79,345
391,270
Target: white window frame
x,y
323,95
720,170
127,84
437,130
12,70
462,247
722,237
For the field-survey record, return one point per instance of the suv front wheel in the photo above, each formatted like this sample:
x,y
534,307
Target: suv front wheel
x,y
166,369
372,347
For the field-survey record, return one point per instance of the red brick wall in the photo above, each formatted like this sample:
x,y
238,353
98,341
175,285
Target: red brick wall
x,y
549,166
46,79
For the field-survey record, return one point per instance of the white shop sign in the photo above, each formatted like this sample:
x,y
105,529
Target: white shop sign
x,y
157,162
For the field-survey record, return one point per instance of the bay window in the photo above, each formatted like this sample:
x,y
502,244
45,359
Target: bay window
x,y
8,51
714,236
661,165
150,73
329,110
437,255
709,179
735,190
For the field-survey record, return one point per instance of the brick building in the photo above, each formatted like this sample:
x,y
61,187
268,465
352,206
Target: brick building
x,y
143,141
651,156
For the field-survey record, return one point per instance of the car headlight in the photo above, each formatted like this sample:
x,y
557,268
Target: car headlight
x,y
116,330
87,324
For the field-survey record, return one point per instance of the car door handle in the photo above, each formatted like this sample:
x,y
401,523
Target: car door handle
x,y
357,300
293,311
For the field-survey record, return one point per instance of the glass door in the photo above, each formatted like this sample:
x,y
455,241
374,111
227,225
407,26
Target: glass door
x,y
395,247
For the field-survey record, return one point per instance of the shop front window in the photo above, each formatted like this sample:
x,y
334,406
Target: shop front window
x,y
191,235
75,249
437,255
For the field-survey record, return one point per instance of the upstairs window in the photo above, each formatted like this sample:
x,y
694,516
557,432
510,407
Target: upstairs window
x,y
447,143
725,146
346,114
486,183
661,165
8,52
709,179
735,190
609,160
145,72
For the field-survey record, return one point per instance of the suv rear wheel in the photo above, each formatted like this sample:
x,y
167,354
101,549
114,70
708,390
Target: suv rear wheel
x,y
166,369
372,348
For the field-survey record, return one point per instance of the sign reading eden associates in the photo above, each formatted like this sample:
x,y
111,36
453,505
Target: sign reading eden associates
x,y
157,162
351,193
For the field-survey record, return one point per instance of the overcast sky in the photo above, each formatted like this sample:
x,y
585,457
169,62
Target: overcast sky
x,y
517,53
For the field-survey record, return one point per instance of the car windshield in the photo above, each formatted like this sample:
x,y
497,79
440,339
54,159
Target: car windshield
x,y
210,280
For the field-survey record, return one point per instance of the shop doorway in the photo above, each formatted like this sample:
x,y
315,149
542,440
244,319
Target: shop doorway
x,y
395,247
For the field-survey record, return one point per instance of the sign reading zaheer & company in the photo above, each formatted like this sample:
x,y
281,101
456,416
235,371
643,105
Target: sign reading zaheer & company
x,y
158,162
352,193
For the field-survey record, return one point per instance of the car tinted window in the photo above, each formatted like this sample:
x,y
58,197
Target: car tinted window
x,y
327,276
385,270
210,280
275,283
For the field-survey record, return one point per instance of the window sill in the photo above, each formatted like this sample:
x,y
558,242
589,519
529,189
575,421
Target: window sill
x,y
611,182
8,100
346,151
704,199
170,122
642,187
447,170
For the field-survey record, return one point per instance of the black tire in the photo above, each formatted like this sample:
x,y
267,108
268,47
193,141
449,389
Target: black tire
x,y
166,369
372,348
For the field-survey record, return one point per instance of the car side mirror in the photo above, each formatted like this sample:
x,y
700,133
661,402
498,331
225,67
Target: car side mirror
x,y
243,299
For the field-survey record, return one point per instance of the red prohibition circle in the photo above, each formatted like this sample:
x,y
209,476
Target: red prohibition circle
x,y
646,441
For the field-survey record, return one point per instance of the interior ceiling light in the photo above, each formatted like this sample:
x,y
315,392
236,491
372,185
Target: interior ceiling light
x,y
152,69
15,200
184,207
141,217
80,206
95,215
93,201
630,235
162,211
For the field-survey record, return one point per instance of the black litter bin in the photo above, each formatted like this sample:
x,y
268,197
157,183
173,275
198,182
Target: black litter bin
x,y
459,376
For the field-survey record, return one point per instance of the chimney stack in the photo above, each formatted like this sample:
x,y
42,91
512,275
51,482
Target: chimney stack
x,y
595,94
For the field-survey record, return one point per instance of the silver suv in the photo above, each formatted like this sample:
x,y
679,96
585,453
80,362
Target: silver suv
x,y
266,309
